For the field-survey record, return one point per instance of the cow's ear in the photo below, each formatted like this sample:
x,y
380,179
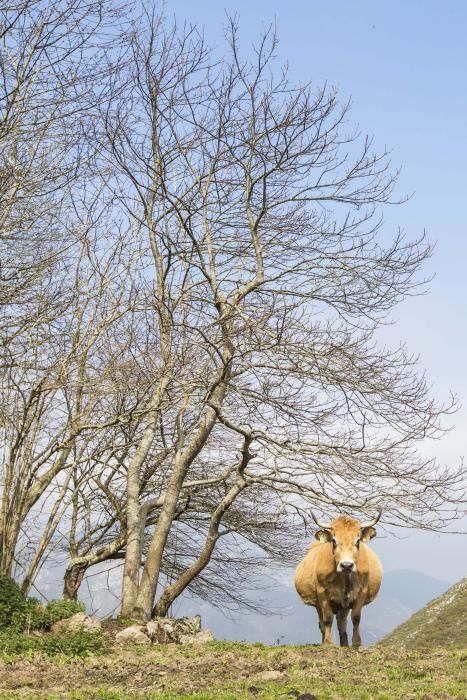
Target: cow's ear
x,y
323,536
367,533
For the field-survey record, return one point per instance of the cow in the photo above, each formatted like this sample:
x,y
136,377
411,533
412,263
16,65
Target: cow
x,y
339,574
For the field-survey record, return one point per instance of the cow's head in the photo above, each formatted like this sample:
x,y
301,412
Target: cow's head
x,y
345,535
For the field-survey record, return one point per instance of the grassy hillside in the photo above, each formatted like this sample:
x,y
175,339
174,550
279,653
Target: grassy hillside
x,y
236,671
443,622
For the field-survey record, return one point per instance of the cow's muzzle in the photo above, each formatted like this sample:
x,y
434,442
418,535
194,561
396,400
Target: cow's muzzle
x,y
347,566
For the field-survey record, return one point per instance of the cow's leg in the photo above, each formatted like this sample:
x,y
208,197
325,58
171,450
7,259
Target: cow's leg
x,y
342,627
321,624
356,615
326,619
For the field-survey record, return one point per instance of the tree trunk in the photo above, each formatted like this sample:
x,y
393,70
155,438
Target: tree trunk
x,y
135,522
172,592
78,566
8,545
6,561
72,580
55,516
150,576
183,460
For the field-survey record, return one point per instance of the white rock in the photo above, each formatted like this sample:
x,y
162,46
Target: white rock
x,y
166,630
200,637
161,630
135,634
152,629
80,621
271,675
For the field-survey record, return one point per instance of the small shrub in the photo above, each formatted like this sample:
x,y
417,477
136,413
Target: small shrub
x,y
77,644
29,617
14,607
10,594
26,614
61,609
80,644
16,644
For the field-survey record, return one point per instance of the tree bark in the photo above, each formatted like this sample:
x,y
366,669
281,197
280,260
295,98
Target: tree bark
x,y
73,579
78,566
183,460
135,522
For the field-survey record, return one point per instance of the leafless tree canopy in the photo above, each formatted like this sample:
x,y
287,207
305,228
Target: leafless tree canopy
x,y
197,272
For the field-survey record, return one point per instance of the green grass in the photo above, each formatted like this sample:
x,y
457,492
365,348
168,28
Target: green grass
x,y
14,645
441,623
232,671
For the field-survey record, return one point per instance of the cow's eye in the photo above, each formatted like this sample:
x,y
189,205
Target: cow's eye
x,y
357,542
334,543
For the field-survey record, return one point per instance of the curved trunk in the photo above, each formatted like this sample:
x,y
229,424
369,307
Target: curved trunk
x,y
172,592
183,460
73,579
77,567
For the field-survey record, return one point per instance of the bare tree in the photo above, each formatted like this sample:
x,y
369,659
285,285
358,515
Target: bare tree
x,y
195,274
98,532
51,66
55,394
270,278
49,80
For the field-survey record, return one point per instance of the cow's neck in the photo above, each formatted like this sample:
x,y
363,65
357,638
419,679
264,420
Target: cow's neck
x,y
347,588
348,584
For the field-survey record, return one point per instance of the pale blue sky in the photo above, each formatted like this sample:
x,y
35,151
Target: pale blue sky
x,y
404,64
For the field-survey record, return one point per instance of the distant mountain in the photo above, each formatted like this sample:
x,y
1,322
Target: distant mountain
x,y
443,622
402,593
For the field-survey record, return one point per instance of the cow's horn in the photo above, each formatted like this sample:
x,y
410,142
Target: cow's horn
x,y
370,523
324,526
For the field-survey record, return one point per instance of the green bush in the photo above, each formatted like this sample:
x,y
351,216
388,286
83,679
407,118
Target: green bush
x,y
11,599
20,613
78,644
16,644
13,604
29,617
60,610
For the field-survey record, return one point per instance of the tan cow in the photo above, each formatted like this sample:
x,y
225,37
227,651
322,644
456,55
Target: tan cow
x,y
340,574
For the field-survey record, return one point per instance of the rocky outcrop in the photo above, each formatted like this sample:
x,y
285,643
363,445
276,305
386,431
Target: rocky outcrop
x,y
76,623
135,634
200,637
164,630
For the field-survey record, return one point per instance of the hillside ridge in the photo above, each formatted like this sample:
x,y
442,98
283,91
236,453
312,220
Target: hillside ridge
x,y
442,622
